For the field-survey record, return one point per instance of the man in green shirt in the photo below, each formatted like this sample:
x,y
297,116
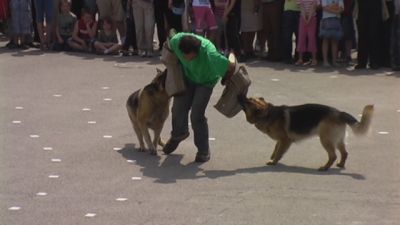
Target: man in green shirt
x,y
203,66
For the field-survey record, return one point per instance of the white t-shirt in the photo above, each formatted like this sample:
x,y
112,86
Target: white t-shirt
x,y
324,3
201,3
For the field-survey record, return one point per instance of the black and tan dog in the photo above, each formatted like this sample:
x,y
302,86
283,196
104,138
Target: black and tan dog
x,y
148,108
288,124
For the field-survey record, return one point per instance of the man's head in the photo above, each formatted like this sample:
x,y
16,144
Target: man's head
x,y
190,46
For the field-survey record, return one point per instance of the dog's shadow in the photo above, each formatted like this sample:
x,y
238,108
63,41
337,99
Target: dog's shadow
x,y
281,168
171,168
168,170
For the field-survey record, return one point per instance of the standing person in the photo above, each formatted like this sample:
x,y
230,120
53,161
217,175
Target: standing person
x,y
114,10
290,27
203,66
177,8
84,32
272,13
232,22
143,12
130,40
64,26
107,39
45,13
21,21
204,19
395,39
251,22
369,25
220,41
307,41
330,29
161,16
348,30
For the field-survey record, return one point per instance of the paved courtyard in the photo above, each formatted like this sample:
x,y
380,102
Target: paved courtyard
x,y
67,150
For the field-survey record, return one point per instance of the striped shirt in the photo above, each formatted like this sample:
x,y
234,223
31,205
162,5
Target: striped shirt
x,y
201,3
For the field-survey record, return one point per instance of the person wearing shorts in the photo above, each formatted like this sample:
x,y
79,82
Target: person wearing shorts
x,y
114,10
330,29
204,19
45,13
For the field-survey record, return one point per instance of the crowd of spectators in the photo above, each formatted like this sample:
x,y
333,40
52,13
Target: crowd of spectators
x,y
328,33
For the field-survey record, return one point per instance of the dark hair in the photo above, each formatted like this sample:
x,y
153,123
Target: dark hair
x,y
189,44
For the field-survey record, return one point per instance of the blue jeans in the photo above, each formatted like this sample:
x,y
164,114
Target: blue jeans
x,y
44,9
195,100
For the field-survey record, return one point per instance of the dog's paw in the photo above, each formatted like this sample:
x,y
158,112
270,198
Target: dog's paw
x,y
153,152
271,163
323,168
340,165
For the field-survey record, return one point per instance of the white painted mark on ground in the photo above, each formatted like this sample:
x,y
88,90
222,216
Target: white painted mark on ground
x,y
90,215
86,109
34,136
130,161
48,148
19,107
105,88
41,194
57,95
116,148
121,199
54,176
16,121
275,79
56,160
211,139
398,110
383,132
136,178
91,122
333,76
14,208
107,136
107,99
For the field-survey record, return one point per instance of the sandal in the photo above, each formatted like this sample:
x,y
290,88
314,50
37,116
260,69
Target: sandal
x,y
299,63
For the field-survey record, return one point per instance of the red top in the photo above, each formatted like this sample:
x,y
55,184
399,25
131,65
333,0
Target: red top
x,y
83,32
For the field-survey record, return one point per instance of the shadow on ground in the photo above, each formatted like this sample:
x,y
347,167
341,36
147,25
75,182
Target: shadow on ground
x,y
171,168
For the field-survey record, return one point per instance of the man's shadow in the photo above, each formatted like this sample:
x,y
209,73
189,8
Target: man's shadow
x,y
167,171
171,169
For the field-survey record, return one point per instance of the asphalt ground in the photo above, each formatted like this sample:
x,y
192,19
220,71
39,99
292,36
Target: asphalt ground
x,y
68,153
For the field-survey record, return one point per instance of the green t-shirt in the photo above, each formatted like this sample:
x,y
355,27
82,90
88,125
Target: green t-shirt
x,y
208,66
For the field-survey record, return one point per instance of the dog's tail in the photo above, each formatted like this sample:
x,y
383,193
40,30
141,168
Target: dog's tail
x,y
359,128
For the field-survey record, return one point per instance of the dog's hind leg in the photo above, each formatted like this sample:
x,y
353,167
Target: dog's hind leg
x,y
330,148
139,137
280,149
157,139
343,153
147,138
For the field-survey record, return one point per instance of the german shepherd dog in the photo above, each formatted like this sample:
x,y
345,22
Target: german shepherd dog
x,y
148,108
288,124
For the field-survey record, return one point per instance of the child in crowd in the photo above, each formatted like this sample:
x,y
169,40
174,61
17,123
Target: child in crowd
x,y
21,21
65,26
307,41
84,32
143,12
107,40
330,29
204,19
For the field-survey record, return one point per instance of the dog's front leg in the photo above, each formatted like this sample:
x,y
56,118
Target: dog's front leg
x,y
156,139
280,149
